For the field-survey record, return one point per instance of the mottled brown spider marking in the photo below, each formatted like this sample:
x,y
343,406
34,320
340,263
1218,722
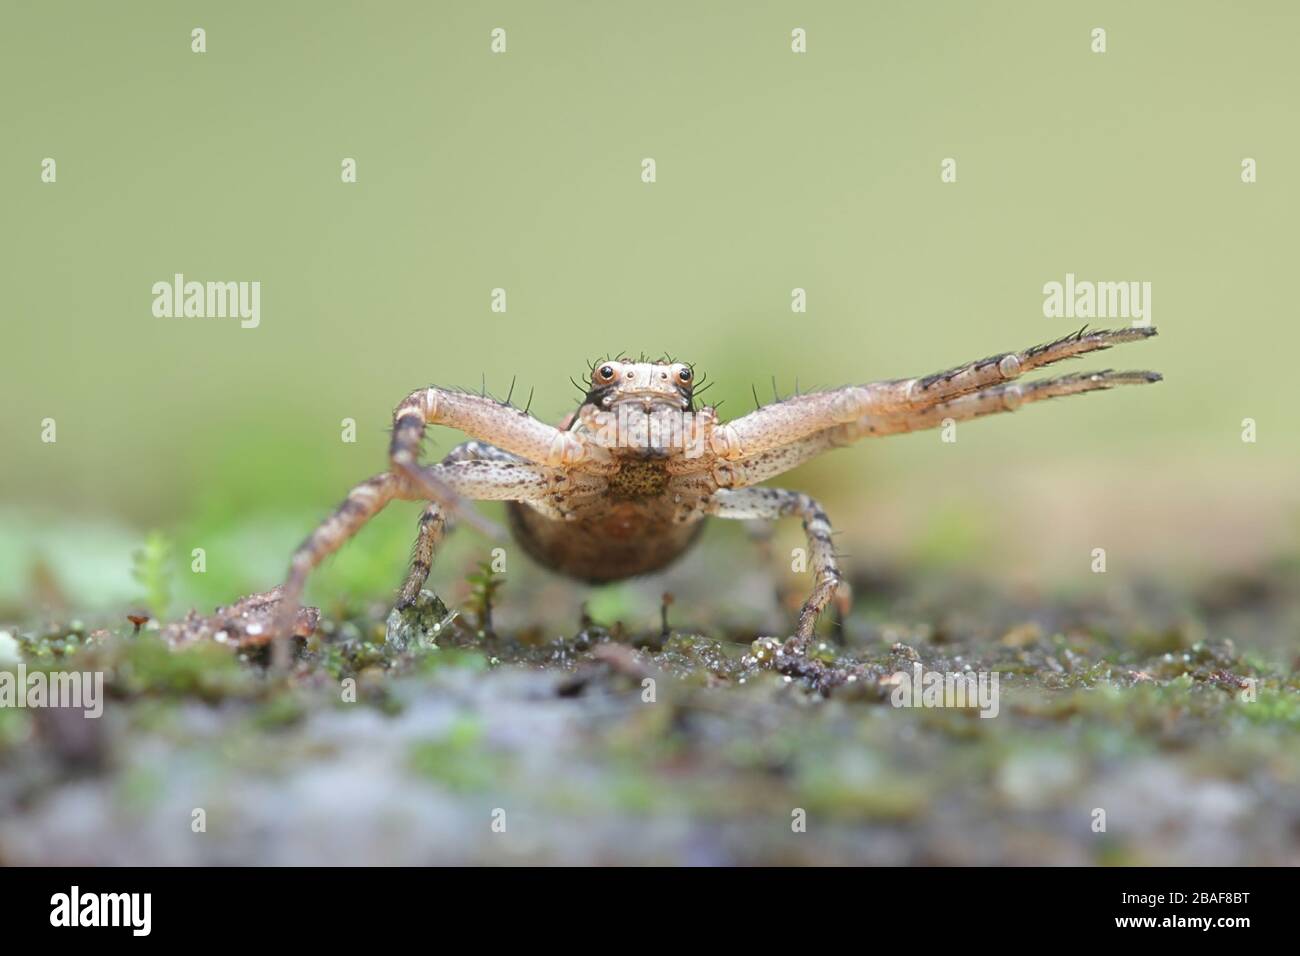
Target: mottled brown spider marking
x,y
638,479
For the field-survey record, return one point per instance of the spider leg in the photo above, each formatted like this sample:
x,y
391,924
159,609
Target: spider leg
x,y
911,393
782,423
756,468
433,526
362,503
785,422
478,451
488,420
769,503
990,401
481,480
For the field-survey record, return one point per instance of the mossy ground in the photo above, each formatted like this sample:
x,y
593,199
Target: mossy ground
x,y
395,742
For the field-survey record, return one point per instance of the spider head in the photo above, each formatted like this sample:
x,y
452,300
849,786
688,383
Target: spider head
x,y
650,386
643,409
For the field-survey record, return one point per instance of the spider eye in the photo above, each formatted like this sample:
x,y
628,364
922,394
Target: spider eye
x,y
605,373
684,376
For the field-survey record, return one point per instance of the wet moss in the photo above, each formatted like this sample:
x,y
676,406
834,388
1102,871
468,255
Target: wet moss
x,y
147,665
1095,705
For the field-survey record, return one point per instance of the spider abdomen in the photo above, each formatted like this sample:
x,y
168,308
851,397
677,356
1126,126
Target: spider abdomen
x,y
625,540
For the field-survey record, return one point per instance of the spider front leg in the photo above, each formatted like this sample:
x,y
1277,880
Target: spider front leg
x,y
768,503
507,428
989,401
845,414
477,480
433,521
362,503
909,394
432,528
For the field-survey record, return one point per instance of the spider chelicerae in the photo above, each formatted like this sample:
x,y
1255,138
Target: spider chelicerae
x,y
622,486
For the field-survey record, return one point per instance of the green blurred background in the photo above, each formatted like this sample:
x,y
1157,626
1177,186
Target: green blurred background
x,y
522,171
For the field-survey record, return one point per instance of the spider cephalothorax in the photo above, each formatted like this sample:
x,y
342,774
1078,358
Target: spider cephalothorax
x,y
623,486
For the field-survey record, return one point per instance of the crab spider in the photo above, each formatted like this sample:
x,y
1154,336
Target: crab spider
x,y
622,487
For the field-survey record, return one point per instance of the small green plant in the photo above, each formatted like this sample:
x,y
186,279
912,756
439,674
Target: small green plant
x,y
153,571
484,584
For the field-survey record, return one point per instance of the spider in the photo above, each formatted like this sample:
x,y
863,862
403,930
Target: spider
x,y
622,487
